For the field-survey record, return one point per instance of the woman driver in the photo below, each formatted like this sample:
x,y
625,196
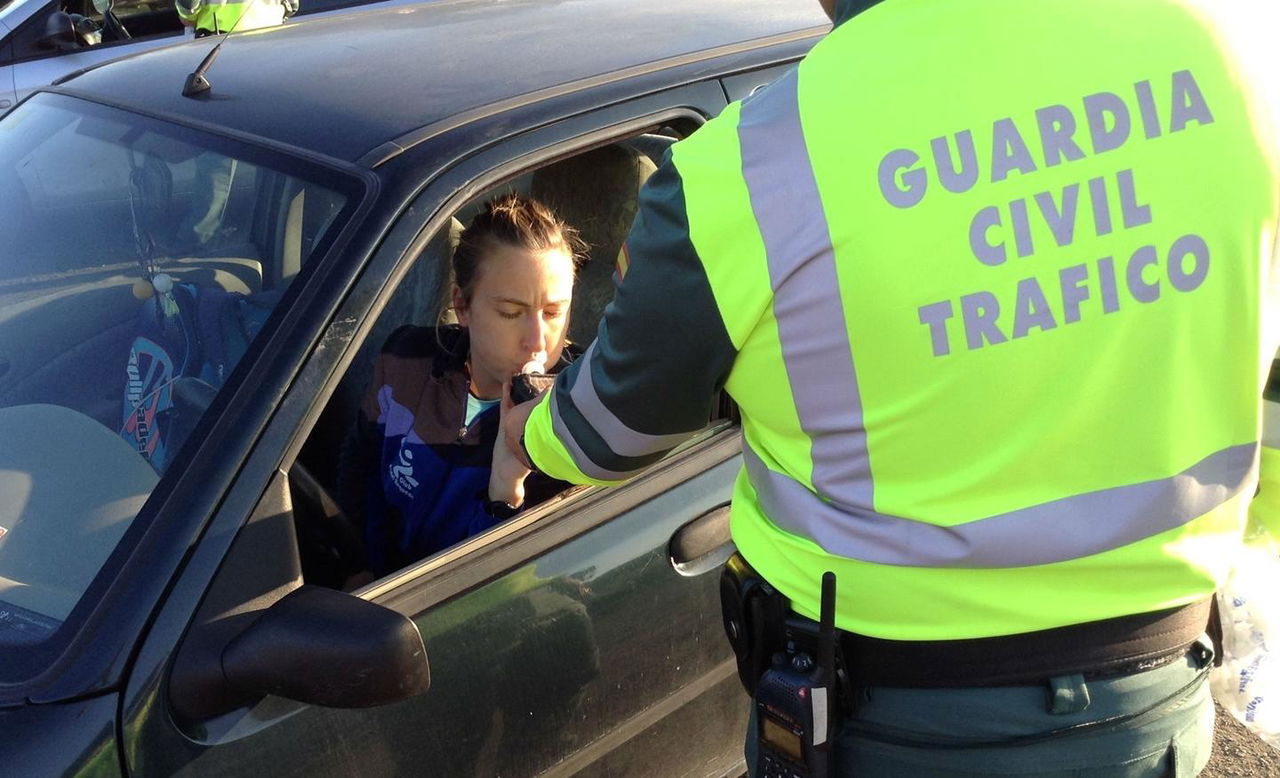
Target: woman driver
x,y
430,418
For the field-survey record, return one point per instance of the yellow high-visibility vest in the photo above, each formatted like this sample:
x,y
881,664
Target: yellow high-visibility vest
x,y
1002,319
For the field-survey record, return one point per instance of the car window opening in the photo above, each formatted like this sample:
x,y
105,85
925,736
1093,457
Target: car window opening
x,y
596,193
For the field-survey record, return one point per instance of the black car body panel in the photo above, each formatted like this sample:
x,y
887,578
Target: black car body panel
x,y
70,738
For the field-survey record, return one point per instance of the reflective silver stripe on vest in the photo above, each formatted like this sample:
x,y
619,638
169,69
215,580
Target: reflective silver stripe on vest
x,y
583,462
620,438
1056,531
807,305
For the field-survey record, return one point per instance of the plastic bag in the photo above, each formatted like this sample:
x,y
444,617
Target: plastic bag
x,y
1248,682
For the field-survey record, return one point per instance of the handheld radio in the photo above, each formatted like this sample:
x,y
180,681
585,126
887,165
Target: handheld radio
x,y
796,698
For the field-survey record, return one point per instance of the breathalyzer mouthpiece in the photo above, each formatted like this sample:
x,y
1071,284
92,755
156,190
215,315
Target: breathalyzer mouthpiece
x,y
531,380
536,365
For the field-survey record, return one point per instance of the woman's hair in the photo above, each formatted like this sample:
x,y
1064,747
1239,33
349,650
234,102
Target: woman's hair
x,y
512,220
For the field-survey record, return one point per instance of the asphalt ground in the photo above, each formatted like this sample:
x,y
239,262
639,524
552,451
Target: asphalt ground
x,y
1238,753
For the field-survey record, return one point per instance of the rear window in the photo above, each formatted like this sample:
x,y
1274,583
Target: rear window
x,y
139,261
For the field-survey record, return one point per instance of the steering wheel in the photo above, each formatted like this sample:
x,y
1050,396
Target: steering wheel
x,y
329,543
112,29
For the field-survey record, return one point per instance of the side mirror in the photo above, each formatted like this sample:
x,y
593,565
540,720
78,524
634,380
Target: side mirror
x,y
318,646
59,32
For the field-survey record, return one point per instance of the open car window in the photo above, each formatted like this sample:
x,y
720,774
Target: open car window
x,y
139,261
595,192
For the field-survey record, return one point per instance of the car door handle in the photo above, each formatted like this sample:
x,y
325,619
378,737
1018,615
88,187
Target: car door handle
x,y
702,545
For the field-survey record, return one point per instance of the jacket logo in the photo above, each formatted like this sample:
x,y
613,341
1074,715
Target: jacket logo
x,y
402,473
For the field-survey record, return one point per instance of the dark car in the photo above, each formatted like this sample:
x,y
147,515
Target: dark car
x,y
179,371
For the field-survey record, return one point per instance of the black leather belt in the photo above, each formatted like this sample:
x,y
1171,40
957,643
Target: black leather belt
x,y
1097,649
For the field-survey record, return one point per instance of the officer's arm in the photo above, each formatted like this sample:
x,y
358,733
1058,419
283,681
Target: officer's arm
x,y
660,355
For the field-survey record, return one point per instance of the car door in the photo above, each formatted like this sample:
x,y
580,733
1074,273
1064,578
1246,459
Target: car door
x,y
584,636
35,65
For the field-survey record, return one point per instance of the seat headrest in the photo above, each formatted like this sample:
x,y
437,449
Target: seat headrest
x,y
441,249
597,193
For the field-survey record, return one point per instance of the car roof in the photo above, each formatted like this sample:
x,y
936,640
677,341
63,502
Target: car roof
x,y
346,85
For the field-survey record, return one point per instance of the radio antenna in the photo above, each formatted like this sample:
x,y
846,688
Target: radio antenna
x,y
826,677
827,631
197,84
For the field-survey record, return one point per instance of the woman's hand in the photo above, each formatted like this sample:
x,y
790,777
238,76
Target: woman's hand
x,y
506,478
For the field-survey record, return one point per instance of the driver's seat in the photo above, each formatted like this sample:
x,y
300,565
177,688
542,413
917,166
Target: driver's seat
x,y
596,192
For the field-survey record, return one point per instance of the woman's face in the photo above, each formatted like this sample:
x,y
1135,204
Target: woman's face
x,y
519,310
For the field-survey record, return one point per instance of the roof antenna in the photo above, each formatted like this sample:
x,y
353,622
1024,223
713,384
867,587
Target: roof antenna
x,y
197,84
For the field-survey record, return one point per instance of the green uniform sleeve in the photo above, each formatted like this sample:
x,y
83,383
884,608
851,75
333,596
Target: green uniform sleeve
x,y
660,355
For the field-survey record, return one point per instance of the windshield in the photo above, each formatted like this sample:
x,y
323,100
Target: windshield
x,y
138,262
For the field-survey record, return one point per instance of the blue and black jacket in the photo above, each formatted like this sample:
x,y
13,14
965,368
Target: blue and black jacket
x,y
425,472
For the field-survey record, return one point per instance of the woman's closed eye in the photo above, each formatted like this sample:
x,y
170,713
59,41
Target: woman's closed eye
x,y
550,314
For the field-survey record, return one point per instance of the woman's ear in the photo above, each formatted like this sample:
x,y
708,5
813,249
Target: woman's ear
x,y
460,308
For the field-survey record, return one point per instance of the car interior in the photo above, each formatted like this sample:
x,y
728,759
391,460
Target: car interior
x,y
268,226
69,321
122,20
596,192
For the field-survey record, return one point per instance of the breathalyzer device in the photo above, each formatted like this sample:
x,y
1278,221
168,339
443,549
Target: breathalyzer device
x,y
531,381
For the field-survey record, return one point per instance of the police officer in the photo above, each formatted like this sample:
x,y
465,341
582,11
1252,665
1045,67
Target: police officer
x,y
213,17
991,282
